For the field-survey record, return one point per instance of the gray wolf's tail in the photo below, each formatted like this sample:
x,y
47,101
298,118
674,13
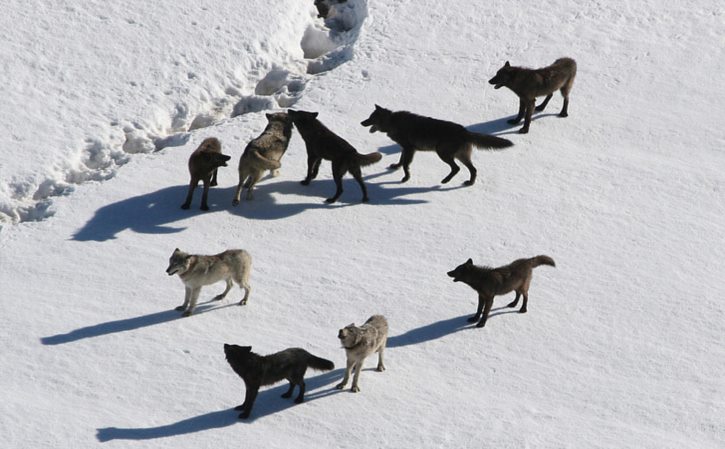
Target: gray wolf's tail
x,y
320,364
542,260
369,159
488,142
267,164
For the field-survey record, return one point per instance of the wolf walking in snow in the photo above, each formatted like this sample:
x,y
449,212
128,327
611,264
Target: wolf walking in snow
x,y
360,342
449,140
490,282
203,165
257,371
531,83
196,271
264,153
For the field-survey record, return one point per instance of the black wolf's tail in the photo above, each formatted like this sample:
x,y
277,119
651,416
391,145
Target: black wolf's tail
x,y
488,142
320,364
369,159
542,260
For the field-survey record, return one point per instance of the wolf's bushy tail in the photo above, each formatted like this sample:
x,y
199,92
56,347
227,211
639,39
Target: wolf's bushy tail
x,y
542,260
267,163
488,142
369,159
320,364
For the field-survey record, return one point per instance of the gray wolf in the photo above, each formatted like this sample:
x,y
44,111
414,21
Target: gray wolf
x,y
196,271
203,165
490,282
360,342
321,144
449,140
264,153
256,371
531,83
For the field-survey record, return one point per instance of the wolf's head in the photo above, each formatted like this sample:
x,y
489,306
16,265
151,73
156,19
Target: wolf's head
x,y
462,272
208,156
301,116
378,120
238,357
503,76
349,336
179,262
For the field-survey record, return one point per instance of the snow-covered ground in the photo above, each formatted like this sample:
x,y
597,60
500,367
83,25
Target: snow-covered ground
x,y
622,344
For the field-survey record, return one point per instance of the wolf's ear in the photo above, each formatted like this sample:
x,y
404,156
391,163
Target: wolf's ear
x,y
269,116
377,107
314,114
469,261
246,348
507,64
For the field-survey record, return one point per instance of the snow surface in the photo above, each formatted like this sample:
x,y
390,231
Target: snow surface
x,y
622,344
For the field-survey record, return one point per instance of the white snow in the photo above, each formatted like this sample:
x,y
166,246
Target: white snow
x,y
621,347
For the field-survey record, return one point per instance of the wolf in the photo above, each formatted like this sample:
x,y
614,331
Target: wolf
x,y
196,271
490,282
256,371
449,140
264,153
360,342
321,144
203,165
531,83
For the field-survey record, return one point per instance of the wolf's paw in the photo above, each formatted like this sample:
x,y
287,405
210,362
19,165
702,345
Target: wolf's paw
x,y
522,310
405,178
355,389
524,131
244,415
330,200
187,313
481,324
366,200
240,407
204,207
473,319
287,395
243,302
340,386
299,400
380,368
235,202
180,308
513,121
185,206
393,166
469,183
218,298
305,182
563,115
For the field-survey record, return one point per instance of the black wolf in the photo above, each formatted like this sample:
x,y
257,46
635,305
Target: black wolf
x,y
321,144
531,83
490,282
203,165
256,371
449,140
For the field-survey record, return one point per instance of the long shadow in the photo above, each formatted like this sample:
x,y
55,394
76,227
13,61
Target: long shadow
x,y
129,324
150,213
268,402
501,126
429,332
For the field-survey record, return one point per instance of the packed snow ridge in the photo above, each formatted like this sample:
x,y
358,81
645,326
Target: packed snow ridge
x,y
179,94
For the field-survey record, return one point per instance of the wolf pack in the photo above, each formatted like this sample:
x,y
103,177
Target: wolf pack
x,y
452,142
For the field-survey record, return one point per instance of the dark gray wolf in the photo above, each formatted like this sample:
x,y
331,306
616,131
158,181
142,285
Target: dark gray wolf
x,y
256,371
264,153
531,83
360,342
196,271
490,282
321,144
449,140
203,165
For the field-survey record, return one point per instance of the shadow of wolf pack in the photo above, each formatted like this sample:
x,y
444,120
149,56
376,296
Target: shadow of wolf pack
x,y
449,140
257,370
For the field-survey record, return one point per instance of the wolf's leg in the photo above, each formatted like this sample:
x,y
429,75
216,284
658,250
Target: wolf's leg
x,y
301,395
338,171
187,298
406,159
450,160
565,109
254,180
238,192
247,289
481,301
249,398
527,119
543,104
486,311
357,174
311,159
358,368
398,164
381,365
515,301
223,294
466,160
205,194
348,369
288,393
526,302
213,178
192,301
192,185
520,115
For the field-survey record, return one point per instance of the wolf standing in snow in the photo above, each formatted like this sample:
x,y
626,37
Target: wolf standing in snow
x,y
203,165
531,83
360,342
196,271
257,371
264,153
449,140
321,143
490,282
